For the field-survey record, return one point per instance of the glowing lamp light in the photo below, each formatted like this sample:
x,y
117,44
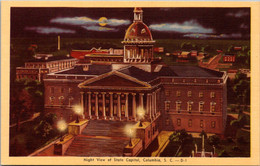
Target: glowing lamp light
x,y
140,114
130,132
78,111
62,126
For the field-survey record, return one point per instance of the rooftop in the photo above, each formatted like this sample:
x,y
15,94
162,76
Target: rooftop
x,y
49,59
195,71
173,71
92,70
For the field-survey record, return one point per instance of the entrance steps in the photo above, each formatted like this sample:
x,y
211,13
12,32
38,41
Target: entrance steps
x,y
100,138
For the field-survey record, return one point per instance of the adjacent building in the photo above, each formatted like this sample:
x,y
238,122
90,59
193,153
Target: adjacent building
x,y
43,64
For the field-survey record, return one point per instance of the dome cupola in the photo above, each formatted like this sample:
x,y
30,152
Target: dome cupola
x,y
138,41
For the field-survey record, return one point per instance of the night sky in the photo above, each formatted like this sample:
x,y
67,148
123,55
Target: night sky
x,y
201,23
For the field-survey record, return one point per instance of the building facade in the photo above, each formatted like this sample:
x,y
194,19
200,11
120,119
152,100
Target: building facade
x,y
172,97
38,68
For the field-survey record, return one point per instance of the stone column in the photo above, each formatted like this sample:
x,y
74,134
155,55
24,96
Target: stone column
x,y
111,105
151,106
89,105
126,105
134,106
141,99
119,105
96,105
147,103
104,105
82,103
155,106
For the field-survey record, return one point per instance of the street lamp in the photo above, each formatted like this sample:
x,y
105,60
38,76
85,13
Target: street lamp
x,y
140,114
62,126
130,132
78,112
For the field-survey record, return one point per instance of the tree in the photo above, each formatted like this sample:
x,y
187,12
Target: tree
x,y
185,142
26,97
45,126
20,104
223,153
203,133
241,88
214,140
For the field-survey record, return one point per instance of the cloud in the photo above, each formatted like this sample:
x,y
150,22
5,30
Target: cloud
x,y
83,21
117,22
191,26
99,28
238,14
49,30
73,20
203,36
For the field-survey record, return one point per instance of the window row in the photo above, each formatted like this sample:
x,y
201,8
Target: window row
x,y
189,94
61,90
213,123
190,106
61,100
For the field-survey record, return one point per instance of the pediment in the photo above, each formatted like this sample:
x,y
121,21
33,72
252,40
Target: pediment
x,y
114,79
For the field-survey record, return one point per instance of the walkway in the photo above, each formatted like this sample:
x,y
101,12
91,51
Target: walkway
x,y
35,115
212,63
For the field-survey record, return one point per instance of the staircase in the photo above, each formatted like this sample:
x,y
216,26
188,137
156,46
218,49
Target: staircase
x,y
100,138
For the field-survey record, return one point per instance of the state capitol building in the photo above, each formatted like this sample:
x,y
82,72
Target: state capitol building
x,y
173,97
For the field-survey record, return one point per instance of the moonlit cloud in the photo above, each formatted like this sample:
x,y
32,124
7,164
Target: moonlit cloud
x,y
191,26
204,36
74,20
100,29
49,30
238,14
117,22
82,21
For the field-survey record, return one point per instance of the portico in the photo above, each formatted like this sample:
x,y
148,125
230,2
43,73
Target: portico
x,y
114,100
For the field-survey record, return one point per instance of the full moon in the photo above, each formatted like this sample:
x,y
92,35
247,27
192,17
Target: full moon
x,y
102,21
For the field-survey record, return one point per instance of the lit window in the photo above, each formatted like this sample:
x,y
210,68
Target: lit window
x,y
213,124
212,107
178,105
178,122
167,93
52,100
201,124
190,123
189,93
167,122
189,106
61,99
70,100
178,93
201,94
70,90
201,106
212,94
167,105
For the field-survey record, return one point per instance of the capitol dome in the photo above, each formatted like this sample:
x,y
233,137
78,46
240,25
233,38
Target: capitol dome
x,y
138,31
138,41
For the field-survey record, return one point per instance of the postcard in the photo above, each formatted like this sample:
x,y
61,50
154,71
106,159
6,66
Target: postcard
x,y
120,83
